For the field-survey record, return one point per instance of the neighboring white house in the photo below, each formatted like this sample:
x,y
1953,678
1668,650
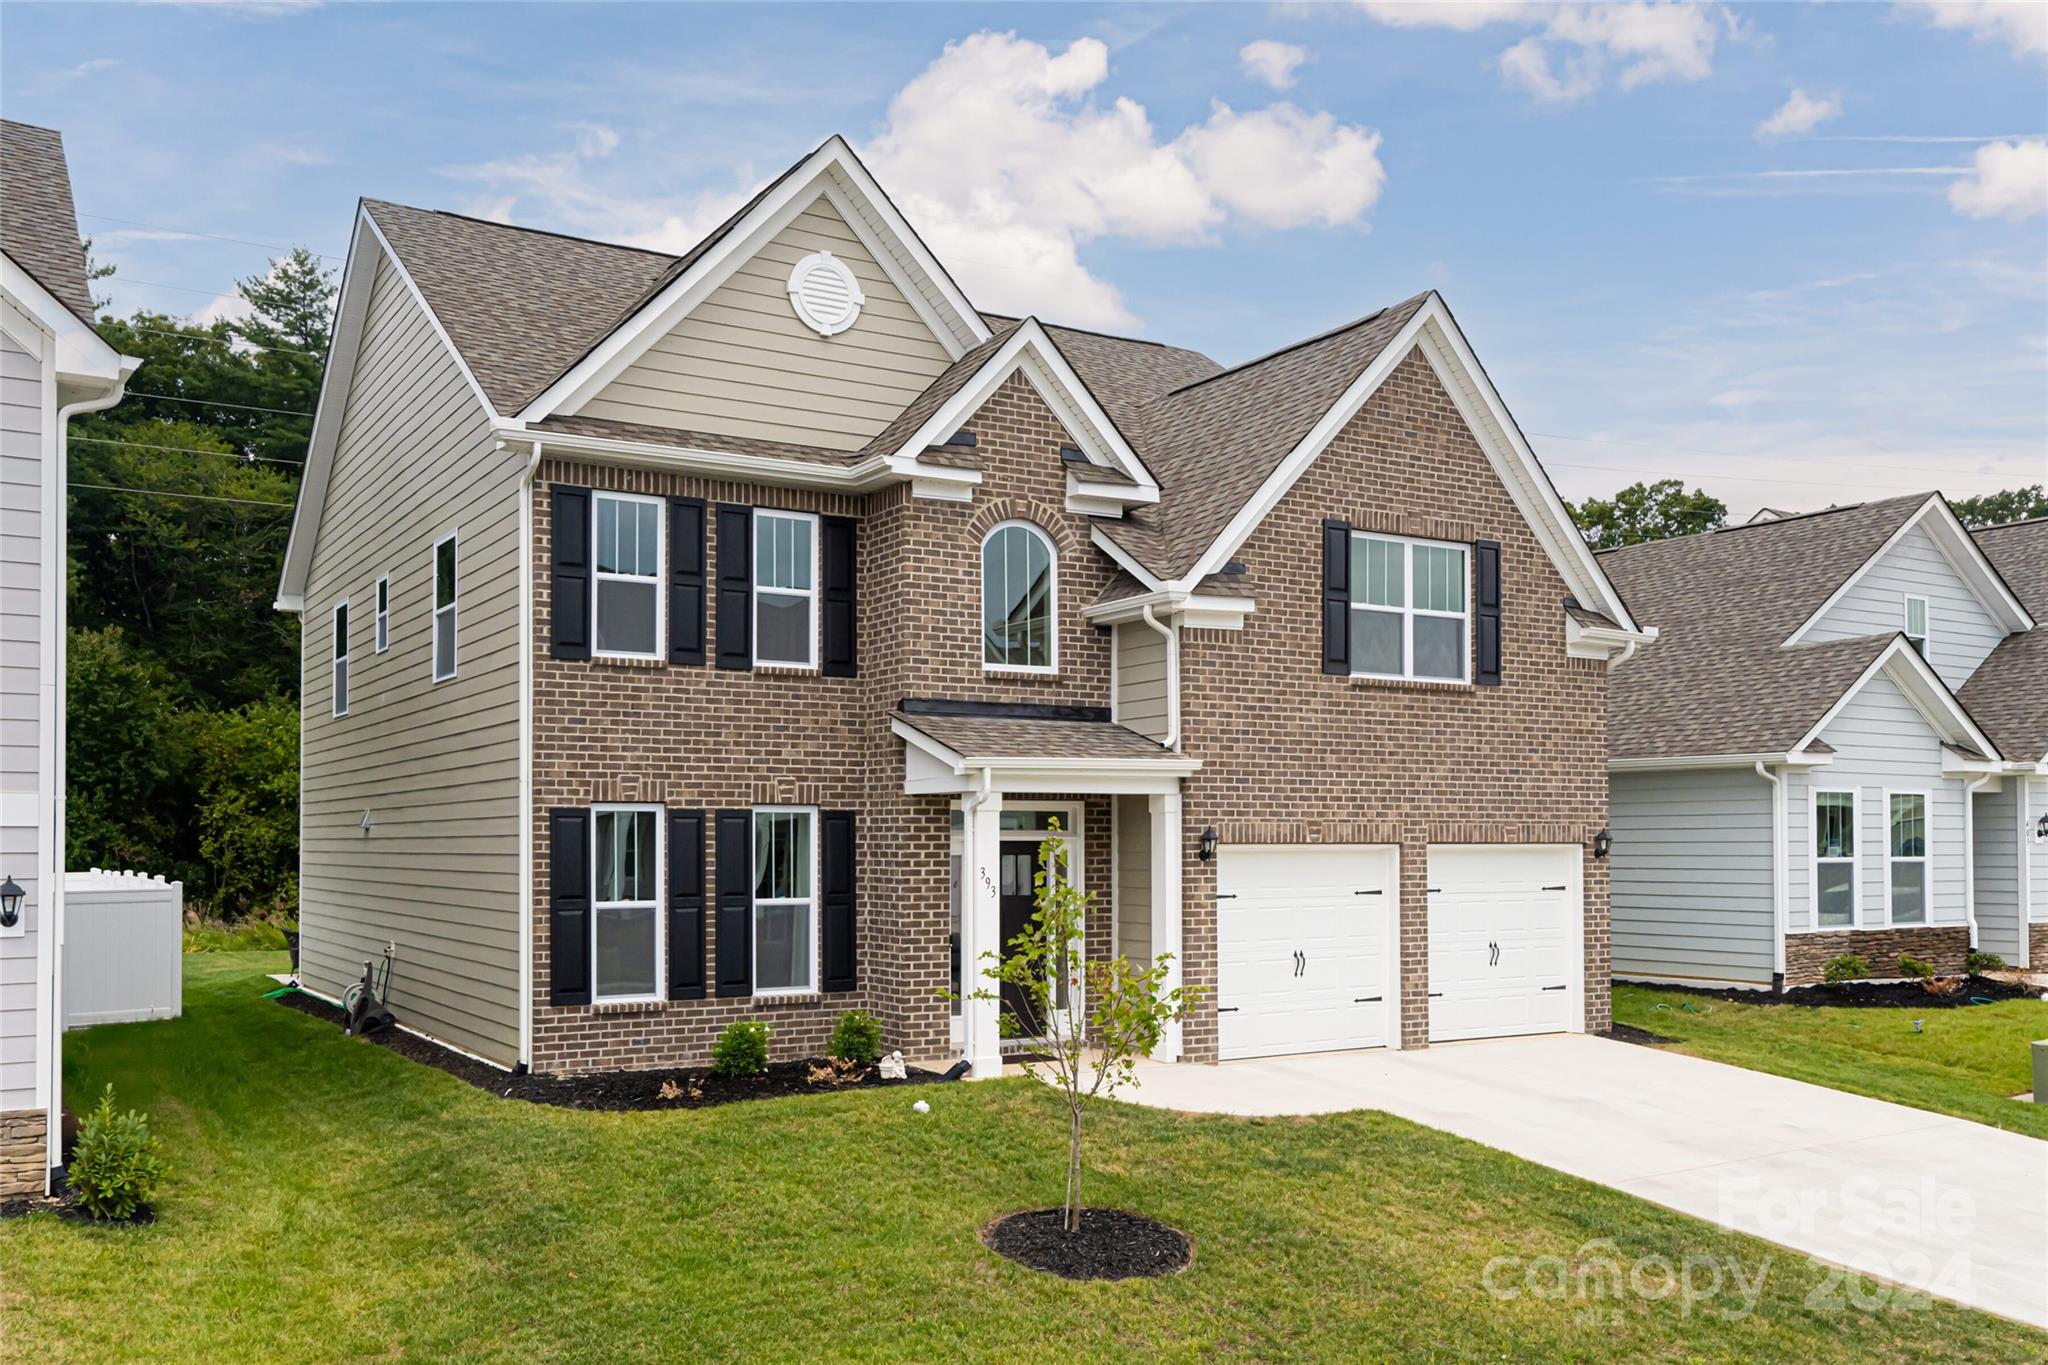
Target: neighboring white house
x,y
1794,776
53,365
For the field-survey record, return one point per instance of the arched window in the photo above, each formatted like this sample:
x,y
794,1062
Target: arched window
x,y
1017,599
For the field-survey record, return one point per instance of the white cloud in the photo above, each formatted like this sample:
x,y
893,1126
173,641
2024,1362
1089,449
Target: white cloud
x,y
1800,113
1737,398
1271,62
87,67
1640,41
2006,180
2021,25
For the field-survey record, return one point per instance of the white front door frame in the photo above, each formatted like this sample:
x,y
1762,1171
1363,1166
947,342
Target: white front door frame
x,y
1165,811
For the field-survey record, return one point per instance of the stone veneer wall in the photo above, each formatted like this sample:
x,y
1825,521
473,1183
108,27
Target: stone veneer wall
x,y
24,1153
1807,955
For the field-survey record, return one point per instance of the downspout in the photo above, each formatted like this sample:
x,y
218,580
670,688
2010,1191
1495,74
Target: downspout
x,y
1172,740
1970,856
1778,881
525,974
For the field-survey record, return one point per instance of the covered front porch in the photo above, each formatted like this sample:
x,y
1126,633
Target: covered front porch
x,y
1012,773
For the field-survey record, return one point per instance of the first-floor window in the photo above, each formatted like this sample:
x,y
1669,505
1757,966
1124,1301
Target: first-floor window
x,y
341,659
628,575
785,911
1907,854
1834,859
444,609
626,925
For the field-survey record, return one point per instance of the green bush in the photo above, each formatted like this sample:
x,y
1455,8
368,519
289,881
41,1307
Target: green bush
x,y
1915,968
742,1050
1847,967
1985,962
857,1038
250,936
117,1165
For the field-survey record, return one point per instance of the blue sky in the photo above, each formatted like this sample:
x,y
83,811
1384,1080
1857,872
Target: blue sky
x,y
1851,301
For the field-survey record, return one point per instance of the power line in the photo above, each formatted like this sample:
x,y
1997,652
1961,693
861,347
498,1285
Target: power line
x,y
188,497
1728,454
208,336
215,403
190,450
1748,478
215,236
159,284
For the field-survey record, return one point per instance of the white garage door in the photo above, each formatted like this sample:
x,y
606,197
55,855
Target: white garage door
x,y
1503,940
1305,955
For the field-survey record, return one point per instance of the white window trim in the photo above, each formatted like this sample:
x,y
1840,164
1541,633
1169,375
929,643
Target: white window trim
x,y
1052,551
754,905
1906,625
660,576
812,594
1855,860
1926,858
340,680
1409,611
382,597
452,610
660,918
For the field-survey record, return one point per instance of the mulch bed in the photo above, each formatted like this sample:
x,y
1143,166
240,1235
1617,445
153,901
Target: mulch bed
x,y
619,1091
64,1203
1111,1245
1629,1033
1949,992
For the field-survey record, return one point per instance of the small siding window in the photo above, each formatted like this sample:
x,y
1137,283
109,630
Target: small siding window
x,y
626,928
1834,859
1019,600
383,613
785,589
341,658
628,578
1409,609
1906,858
785,907
444,609
1916,624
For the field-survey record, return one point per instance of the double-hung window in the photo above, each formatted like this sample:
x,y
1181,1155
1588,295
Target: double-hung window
x,y
1018,586
341,658
1409,609
785,588
1906,857
444,609
628,578
1834,860
785,904
1916,624
626,927
383,613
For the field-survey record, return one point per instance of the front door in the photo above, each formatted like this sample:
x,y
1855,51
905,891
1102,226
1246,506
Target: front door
x,y
1018,902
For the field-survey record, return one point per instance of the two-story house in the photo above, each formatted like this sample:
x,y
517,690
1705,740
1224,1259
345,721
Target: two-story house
x,y
690,638
53,366
1836,747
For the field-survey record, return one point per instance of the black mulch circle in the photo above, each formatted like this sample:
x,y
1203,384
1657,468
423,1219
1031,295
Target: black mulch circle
x,y
1629,1033
618,1091
1111,1245
1949,992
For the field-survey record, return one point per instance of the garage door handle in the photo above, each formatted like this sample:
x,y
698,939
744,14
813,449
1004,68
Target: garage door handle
x,y
1227,1009
1556,888
1367,999
1226,895
1557,988
1436,995
1365,893
1435,890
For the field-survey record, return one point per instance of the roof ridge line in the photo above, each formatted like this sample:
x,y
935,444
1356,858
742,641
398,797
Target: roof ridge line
x,y
1350,326
521,227
2009,525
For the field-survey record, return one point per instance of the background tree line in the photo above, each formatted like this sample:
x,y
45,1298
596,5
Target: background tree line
x,y
1653,511
183,738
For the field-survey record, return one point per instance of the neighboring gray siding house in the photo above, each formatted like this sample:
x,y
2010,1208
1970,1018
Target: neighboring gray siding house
x,y
52,366
1794,776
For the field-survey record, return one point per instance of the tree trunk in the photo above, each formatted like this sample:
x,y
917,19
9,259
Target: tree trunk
x,y
1074,1172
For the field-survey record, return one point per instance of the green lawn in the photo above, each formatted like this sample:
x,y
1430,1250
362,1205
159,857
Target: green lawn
x,y
1967,1062
335,1202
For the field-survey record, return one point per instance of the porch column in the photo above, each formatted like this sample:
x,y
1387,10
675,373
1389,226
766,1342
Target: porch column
x,y
1166,904
981,931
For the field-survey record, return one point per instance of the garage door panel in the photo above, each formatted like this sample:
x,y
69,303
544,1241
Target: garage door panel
x,y
1304,948
1502,940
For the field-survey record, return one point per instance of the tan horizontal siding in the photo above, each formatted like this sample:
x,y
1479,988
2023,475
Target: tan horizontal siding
x,y
1141,682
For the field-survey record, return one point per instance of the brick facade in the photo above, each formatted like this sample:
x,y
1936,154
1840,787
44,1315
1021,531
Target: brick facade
x,y
1807,955
24,1153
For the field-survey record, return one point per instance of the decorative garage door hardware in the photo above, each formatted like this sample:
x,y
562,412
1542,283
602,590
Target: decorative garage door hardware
x,y
1300,962
1555,888
1373,892
1556,988
1367,999
1226,895
1226,1009
1494,950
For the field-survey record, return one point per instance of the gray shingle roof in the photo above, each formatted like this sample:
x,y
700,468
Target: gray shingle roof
x,y
1717,680
38,225
2008,694
1003,737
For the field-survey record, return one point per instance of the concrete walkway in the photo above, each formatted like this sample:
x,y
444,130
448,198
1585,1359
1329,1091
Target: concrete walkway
x,y
1935,1203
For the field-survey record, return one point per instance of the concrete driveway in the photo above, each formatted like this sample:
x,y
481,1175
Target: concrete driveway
x,y
1938,1204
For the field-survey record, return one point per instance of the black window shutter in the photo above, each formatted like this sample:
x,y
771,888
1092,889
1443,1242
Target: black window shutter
x,y
735,902
569,906
1336,597
842,972
839,540
686,581
569,586
686,905
735,586
1486,613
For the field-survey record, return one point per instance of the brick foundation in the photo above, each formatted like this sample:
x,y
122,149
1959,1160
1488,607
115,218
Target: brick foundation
x,y
1946,946
24,1153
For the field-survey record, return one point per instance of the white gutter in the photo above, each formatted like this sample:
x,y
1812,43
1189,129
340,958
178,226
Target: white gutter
x,y
875,471
1172,740
1779,887
1970,855
525,972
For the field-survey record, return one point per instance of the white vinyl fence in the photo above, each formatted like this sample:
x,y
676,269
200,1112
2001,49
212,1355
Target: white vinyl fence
x,y
123,947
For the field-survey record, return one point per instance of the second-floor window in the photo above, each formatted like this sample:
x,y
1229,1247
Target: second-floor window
x,y
628,578
785,588
1018,600
341,659
1916,624
1409,609
444,609
383,613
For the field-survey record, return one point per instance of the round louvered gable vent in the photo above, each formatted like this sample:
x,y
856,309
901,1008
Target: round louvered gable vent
x,y
824,293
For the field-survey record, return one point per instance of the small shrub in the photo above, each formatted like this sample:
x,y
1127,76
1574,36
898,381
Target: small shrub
x,y
742,1050
117,1164
857,1038
1985,962
1915,968
1847,967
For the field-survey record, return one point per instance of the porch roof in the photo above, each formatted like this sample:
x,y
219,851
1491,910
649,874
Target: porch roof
x,y
950,753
